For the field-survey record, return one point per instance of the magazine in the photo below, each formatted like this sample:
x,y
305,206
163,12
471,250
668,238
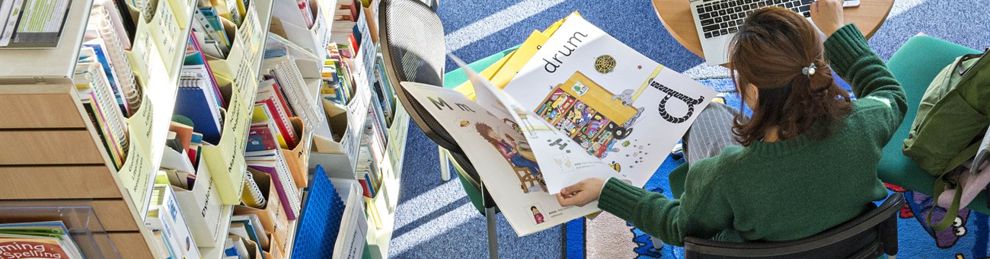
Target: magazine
x,y
602,110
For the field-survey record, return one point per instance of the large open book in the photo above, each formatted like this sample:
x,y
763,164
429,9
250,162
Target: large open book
x,y
586,105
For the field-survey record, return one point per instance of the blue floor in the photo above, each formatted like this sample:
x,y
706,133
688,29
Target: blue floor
x,y
436,220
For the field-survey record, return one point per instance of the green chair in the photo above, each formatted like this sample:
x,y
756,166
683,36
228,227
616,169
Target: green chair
x,y
915,65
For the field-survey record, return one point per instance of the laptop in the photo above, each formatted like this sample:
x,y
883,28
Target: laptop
x,y
718,20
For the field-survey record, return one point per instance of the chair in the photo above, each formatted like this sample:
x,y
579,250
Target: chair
x,y
869,235
914,65
413,48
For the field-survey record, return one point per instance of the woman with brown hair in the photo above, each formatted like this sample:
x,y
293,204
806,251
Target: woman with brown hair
x,y
806,159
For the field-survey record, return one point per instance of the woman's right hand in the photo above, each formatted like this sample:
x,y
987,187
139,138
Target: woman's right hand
x,y
827,15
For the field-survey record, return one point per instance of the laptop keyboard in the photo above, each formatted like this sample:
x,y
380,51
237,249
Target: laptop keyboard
x,y
723,17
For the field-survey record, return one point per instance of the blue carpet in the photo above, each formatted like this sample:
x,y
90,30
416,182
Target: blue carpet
x,y
436,220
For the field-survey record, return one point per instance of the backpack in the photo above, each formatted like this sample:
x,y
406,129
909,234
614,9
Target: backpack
x,y
951,122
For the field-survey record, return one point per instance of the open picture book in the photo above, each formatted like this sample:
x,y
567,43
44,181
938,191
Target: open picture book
x,y
585,105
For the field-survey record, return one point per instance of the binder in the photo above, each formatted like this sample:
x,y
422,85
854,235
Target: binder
x,y
319,226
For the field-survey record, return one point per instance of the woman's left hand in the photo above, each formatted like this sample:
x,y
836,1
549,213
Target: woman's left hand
x,y
581,193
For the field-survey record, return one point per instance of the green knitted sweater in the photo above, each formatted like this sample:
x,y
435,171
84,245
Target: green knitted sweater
x,y
784,190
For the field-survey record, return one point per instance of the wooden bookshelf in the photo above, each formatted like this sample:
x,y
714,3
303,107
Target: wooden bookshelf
x,y
54,156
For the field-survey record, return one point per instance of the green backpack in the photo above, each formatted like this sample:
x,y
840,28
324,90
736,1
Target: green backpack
x,y
952,119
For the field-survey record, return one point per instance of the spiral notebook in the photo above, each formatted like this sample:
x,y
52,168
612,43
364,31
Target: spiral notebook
x,y
197,100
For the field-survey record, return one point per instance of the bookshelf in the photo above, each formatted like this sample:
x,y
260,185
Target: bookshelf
x,y
58,158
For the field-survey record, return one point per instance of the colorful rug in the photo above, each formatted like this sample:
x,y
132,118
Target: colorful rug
x,y
610,237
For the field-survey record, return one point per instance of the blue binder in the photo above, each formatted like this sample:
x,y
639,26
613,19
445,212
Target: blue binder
x,y
320,221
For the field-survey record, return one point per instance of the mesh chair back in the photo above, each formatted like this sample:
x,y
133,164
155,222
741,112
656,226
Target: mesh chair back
x,y
867,236
414,49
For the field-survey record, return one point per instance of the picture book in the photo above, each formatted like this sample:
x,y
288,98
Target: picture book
x,y
603,110
502,156
611,101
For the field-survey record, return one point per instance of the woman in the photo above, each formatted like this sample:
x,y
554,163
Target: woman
x,y
808,155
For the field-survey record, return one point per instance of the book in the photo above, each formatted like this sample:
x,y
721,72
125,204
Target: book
x,y
35,23
98,100
596,113
10,23
164,215
46,239
197,101
105,23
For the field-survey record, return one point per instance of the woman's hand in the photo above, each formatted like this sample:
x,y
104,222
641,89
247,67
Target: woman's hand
x,y
581,193
827,15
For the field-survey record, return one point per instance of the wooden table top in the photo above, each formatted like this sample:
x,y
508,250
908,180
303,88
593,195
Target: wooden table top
x,y
676,17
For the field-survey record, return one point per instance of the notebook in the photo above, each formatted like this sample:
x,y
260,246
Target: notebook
x,y
97,98
274,110
196,100
319,226
102,25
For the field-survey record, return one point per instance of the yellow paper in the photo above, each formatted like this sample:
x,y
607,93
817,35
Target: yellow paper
x,y
502,71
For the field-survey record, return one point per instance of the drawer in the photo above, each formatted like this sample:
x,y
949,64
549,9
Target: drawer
x,y
46,147
39,106
57,182
114,215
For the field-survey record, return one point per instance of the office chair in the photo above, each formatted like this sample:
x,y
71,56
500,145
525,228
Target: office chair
x,y
914,65
869,235
414,50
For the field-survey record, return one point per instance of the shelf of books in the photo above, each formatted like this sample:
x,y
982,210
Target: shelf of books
x,y
194,128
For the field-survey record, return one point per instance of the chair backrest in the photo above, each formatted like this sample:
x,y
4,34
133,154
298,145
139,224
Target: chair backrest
x,y
414,50
867,236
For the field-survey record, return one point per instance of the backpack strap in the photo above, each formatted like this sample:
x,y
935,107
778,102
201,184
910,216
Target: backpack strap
x,y
950,213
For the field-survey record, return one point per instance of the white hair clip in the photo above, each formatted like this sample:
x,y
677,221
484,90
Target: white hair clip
x,y
809,70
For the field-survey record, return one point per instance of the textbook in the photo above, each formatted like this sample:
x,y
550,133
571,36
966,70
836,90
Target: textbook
x,y
585,105
46,239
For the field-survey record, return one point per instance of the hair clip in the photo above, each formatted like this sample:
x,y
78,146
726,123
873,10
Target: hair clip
x,y
809,70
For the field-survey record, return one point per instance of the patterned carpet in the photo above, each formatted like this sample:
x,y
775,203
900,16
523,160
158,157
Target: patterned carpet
x,y
436,220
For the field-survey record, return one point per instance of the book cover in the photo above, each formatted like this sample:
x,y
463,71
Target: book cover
x,y
610,100
44,239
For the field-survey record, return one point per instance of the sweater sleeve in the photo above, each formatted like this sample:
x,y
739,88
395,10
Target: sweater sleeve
x,y
700,212
878,91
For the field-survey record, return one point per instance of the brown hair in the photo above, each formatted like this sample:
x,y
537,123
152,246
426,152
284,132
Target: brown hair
x,y
770,51
484,130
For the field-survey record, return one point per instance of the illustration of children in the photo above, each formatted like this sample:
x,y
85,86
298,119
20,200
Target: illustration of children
x,y
509,149
537,215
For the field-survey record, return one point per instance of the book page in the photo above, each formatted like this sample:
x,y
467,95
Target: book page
x,y
498,151
614,103
560,159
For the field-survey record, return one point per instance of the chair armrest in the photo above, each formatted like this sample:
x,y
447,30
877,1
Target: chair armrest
x,y
882,218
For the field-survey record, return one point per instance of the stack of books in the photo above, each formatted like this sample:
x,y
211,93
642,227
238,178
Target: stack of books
x,y
214,23
105,111
104,80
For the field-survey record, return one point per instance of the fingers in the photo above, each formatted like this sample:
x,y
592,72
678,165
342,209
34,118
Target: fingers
x,y
561,200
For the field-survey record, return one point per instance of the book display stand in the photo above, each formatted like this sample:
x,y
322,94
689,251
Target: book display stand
x,y
56,165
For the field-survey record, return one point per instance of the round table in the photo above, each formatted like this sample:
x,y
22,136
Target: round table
x,y
676,17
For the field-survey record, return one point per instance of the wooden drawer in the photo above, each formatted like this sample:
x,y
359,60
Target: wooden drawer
x,y
114,215
45,147
39,106
51,182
